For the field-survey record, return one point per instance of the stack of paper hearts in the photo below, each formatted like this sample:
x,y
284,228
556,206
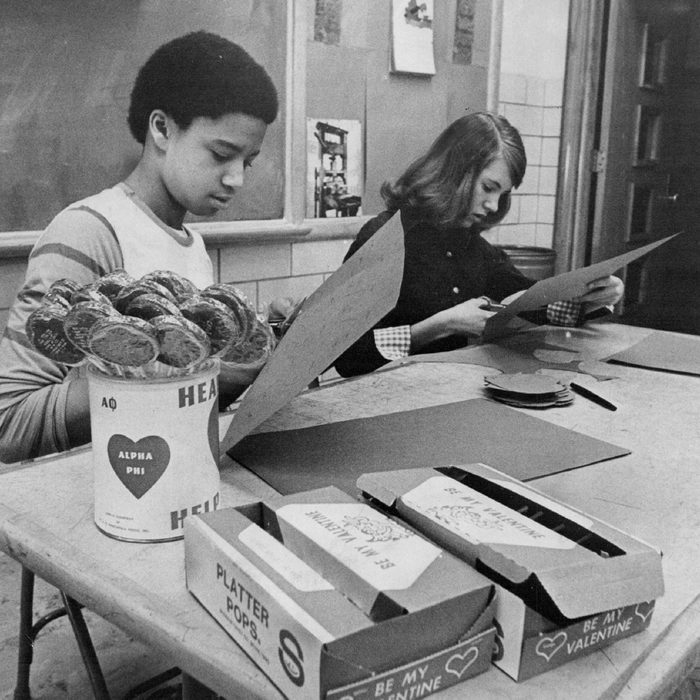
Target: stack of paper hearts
x,y
527,390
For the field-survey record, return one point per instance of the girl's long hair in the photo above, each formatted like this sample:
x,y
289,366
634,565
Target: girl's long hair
x,y
438,187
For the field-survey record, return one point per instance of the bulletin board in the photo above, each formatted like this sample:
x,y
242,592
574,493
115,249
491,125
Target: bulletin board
x,y
350,77
67,72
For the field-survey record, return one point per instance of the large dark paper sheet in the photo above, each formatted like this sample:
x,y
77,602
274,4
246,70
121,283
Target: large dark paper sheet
x,y
463,432
565,286
352,300
672,352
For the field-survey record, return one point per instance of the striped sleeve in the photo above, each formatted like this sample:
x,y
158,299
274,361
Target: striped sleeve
x,y
77,245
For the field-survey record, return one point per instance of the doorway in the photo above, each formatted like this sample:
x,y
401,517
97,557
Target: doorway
x,y
632,123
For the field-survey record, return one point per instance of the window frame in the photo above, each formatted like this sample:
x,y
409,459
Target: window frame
x,y
294,224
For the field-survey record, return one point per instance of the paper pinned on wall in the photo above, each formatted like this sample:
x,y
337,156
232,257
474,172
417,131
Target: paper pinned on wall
x,y
352,300
412,37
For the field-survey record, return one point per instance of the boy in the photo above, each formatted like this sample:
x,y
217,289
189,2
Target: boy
x,y
200,106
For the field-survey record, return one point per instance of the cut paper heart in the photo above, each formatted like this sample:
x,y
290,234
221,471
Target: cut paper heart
x,y
527,390
547,647
558,357
601,371
521,383
138,465
458,664
561,375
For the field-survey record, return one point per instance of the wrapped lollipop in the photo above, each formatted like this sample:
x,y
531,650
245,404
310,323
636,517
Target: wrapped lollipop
x,y
89,292
124,341
220,324
81,318
180,287
183,344
148,306
60,292
131,291
256,350
113,283
46,333
236,301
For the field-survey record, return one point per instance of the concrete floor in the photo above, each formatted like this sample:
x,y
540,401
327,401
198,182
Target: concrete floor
x,y
57,671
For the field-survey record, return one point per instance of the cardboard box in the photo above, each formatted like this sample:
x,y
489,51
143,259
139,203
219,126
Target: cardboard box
x,y
331,598
568,584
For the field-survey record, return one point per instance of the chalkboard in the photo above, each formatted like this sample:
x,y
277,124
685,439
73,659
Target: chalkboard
x,y
67,71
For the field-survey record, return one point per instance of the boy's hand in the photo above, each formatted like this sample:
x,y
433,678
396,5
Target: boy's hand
x,y
234,379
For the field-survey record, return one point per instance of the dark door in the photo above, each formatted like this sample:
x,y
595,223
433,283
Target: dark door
x,y
648,157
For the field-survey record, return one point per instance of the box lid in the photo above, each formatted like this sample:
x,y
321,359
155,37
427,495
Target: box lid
x,y
383,566
241,531
548,553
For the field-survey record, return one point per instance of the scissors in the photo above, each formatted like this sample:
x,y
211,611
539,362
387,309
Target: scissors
x,y
491,305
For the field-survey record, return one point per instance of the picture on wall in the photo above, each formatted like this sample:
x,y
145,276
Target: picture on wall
x,y
334,168
412,37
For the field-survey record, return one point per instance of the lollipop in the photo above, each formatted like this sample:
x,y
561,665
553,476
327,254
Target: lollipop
x,y
60,292
236,301
47,335
182,343
113,283
148,306
131,291
180,287
89,292
215,319
256,349
124,340
80,319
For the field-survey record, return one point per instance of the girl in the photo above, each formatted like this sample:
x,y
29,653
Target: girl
x,y
460,187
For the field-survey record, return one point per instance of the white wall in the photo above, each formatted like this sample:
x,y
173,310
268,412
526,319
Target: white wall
x,y
533,53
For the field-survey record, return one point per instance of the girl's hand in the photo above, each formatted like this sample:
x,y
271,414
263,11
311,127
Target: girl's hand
x,y
467,318
602,292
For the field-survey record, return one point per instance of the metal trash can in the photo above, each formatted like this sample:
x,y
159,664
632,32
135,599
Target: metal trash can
x,y
536,263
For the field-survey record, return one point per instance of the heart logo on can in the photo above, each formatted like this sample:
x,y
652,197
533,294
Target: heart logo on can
x,y
138,465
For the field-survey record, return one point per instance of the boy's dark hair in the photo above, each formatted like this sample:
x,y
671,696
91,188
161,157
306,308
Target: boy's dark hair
x,y
200,74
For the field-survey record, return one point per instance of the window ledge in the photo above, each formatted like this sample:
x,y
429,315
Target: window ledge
x,y
18,244
245,232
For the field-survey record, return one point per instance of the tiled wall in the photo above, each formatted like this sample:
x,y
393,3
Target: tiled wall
x,y
263,272
533,106
530,96
266,272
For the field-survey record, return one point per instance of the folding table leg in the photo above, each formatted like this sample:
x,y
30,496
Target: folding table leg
x,y
28,632
26,636
87,650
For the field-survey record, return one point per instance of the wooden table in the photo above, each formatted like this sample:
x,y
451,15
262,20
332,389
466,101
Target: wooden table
x,y
46,524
